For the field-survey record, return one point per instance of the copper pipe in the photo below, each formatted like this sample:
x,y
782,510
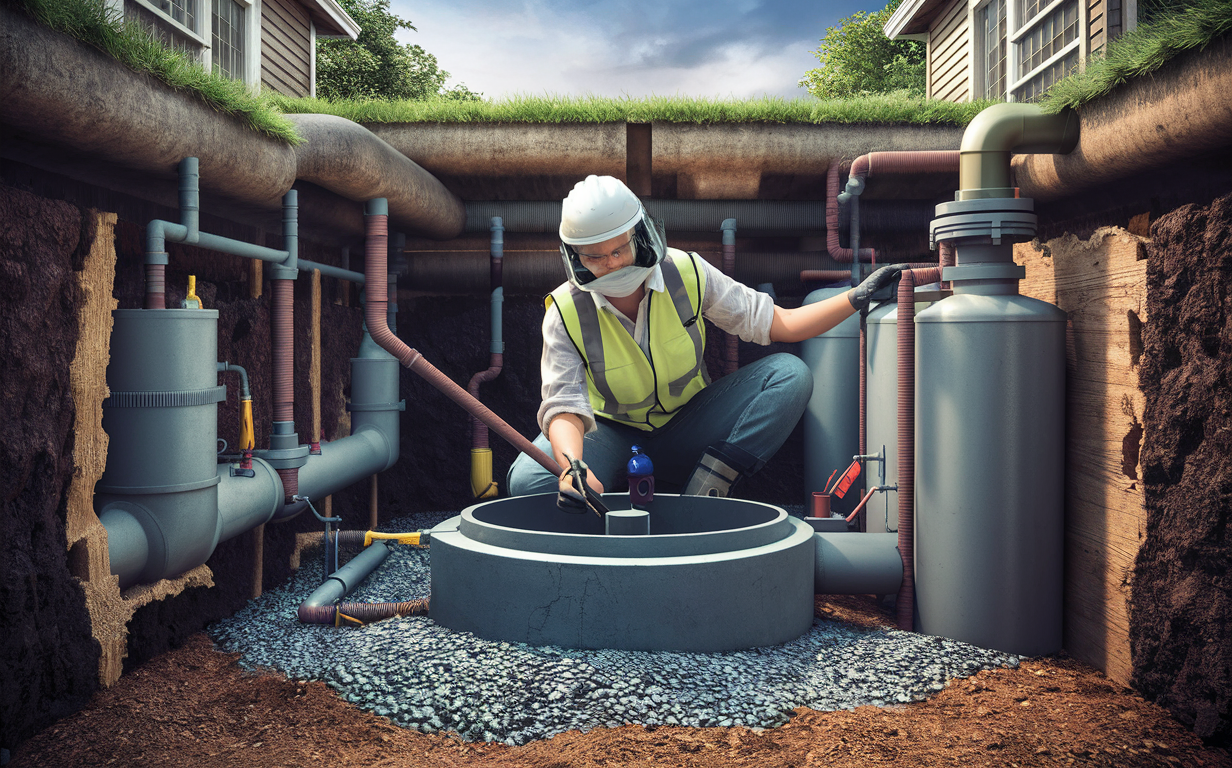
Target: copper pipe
x,y
905,604
922,161
283,352
155,286
860,507
377,281
479,431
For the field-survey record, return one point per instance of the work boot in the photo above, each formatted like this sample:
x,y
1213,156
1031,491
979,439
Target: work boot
x,y
718,470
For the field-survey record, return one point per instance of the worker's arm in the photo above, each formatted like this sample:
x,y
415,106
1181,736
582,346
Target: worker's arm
x,y
565,433
812,319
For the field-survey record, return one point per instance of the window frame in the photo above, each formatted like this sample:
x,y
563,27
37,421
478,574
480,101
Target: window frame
x,y
202,37
1017,30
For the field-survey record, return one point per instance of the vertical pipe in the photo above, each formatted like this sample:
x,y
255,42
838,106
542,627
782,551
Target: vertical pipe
x,y
905,604
314,365
372,503
258,560
282,321
731,356
863,401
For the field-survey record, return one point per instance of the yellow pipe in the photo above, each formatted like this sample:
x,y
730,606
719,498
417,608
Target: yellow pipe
x,y
192,300
998,132
410,539
247,433
482,485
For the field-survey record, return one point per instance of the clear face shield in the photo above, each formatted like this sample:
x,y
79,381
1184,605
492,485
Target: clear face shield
x,y
649,245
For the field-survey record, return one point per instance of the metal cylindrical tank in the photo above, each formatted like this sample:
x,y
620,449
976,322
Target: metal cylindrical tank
x,y
162,423
989,450
831,419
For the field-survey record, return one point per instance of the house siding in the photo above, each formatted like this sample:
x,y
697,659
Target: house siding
x,y
949,46
286,58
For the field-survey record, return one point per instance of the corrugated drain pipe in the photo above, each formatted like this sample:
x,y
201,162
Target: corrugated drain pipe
x,y
482,484
904,605
376,224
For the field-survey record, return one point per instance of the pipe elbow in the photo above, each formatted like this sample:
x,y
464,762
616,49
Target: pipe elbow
x,y
1002,129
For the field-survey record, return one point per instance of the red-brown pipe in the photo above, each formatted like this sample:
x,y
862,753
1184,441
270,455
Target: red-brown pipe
x,y
364,613
376,281
155,286
825,275
921,161
905,604
283,352
479,430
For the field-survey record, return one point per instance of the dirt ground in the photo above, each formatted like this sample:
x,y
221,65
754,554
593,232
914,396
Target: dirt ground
x,y
194,706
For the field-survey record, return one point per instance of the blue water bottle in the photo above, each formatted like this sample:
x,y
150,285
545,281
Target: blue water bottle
x,y
641,478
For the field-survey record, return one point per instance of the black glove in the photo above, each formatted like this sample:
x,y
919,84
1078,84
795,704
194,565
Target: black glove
x,y
862,294
573,493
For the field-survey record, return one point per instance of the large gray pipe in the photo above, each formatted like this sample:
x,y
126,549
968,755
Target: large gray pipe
x,y
857,564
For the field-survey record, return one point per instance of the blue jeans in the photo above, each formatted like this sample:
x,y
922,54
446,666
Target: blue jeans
x,y
754,408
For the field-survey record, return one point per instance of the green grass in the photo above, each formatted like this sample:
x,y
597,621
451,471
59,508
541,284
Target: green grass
x,y
1142,51
92,23
886,108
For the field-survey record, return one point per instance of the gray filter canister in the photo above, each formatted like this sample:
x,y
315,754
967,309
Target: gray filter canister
x,y
990,405
832,417
162,423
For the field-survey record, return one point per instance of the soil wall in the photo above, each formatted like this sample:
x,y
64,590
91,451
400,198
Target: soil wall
x,y
48,658
1181,604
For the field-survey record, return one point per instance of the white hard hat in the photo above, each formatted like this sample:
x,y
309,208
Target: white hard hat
x,y
599,208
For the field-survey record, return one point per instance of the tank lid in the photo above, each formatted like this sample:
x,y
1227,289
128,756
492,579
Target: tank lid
x,y
979,308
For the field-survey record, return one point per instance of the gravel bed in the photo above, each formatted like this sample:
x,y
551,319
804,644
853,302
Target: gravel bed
x,y
423,676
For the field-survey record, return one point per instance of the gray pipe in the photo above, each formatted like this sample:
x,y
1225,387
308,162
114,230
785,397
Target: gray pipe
x,y
857,564
678,215
246,502
497,253
343,581
331,271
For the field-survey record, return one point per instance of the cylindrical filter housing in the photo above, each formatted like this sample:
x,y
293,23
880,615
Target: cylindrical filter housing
x,y
989,458
832,417
162,423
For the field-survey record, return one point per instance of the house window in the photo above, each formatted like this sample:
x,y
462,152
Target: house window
x,y
1046,46
990,49
228,38
183,11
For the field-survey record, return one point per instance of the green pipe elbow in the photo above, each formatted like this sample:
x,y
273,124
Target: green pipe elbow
x,y
998,132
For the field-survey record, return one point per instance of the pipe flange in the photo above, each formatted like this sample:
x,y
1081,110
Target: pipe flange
x,y
363,407
984,272
284,458
993,218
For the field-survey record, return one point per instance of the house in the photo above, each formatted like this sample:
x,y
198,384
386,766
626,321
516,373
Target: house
x,y
269,44
1010,50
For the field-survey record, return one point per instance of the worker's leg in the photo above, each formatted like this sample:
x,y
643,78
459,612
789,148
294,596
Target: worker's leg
x,y
605,451
743,417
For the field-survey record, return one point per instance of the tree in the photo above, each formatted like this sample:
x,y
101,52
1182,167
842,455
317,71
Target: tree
x,y
857,58
376,66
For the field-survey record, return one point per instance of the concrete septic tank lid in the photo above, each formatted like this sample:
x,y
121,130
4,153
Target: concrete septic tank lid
x,y
712,575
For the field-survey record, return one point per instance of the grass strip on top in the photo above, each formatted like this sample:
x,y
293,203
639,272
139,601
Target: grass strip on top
x,y
93,23
1142,51
876,108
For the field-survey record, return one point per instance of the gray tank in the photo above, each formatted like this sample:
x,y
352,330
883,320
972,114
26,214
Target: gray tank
x,y
881,412
831,420
161,419
989,450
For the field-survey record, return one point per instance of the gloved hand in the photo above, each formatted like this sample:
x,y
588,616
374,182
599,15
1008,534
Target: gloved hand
x,y
862,294
578,490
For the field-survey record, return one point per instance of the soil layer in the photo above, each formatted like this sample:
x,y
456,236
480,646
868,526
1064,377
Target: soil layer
x,y
194,706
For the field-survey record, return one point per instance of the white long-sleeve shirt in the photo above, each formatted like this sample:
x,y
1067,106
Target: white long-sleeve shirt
x,y
730,305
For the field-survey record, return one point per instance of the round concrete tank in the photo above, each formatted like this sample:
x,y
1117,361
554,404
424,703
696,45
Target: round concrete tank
x,y
832,417
712,575
989,450
162,423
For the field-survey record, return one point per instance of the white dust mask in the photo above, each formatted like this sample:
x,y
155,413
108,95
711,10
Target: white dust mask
x,y
620,283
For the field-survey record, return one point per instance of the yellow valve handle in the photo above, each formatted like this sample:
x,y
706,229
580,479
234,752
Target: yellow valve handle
x,y
247,439
411,539
192,300
482,485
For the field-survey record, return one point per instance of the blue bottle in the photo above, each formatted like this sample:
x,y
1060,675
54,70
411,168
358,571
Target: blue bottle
x,y
641,478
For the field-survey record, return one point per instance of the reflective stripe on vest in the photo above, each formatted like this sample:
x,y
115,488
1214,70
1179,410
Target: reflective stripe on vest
x,y
624,384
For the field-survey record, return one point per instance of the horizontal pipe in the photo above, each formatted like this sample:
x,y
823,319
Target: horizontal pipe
x,y
330,271
344,581
857,564
239,248
246,502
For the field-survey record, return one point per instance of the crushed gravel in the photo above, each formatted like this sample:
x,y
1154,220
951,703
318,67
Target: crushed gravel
x,y
425,677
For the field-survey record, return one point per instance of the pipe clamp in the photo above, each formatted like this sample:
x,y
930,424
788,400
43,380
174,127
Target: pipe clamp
x,y
176,398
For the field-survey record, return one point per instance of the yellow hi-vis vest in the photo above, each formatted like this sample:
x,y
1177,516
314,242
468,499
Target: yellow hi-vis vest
x,y
625,384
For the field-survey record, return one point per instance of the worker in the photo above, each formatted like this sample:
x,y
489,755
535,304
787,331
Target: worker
x,y
622,357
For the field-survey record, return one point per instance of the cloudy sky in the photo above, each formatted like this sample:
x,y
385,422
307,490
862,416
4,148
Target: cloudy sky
x,y
714,48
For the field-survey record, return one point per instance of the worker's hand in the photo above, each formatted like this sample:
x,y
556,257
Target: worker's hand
x,y
569,497
862,294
